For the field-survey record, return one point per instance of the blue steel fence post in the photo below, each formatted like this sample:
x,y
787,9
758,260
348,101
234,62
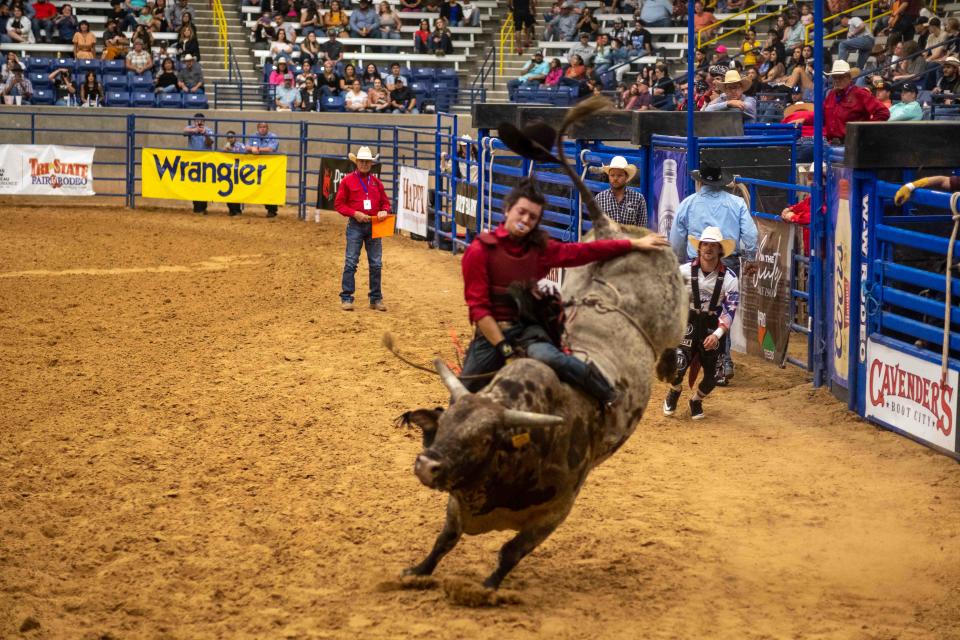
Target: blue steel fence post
x,y
131,161
33,128
856,291
575,201
693,155
818,220
396,172
302,194
437,182
452,188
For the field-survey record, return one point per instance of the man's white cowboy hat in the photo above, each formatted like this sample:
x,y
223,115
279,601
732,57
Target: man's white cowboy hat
x,y
733,76
841,68
187,57
619,162
953,60
363,153
713,234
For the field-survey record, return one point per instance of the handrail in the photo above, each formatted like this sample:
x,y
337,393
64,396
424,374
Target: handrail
x,y
870,20
220,21
487,69
506,38
749,23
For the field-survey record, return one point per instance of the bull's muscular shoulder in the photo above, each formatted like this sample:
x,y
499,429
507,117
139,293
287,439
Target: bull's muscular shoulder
x,y
488,238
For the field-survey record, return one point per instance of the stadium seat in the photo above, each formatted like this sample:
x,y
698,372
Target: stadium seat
x,y
422,90
332,103
64,63
114,66
39,78
88,65
195,101
143,82
115,81
525,94
42,95
424,74
37,64
448,76
143,99
170,100
117,99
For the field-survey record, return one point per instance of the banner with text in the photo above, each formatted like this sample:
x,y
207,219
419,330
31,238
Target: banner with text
x,y
332,171
669,188
840,261
765,295
47,170
906,393
412,200
213,176
465,208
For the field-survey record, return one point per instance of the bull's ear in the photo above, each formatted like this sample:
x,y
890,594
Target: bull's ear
x,y
426,419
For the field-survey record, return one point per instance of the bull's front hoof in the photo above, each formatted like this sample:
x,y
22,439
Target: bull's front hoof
x,y
466,593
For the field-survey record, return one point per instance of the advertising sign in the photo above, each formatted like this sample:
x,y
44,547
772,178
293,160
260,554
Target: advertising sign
x,y
465,208
905,392
214,176
412,200
669,188
839,327
46,170
332,171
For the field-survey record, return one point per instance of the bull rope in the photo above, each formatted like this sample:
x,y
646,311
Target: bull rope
x,y
945,353
597,303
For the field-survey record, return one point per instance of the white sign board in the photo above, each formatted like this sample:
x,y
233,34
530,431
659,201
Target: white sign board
x,y
412,200
47,170
905,392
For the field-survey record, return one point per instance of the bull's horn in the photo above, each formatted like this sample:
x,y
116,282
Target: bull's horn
x,y
450,381
514,418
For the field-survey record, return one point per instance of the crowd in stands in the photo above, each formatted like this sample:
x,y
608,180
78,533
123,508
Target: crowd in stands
x,y
127,55
305,89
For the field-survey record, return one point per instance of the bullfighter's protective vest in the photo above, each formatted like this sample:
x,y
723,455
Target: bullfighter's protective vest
x,y
705,321
504,269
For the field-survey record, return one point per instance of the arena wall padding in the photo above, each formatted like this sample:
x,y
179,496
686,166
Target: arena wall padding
x,y
878,145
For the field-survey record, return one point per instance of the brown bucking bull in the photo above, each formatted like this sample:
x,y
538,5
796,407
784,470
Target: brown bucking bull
x,y
515,455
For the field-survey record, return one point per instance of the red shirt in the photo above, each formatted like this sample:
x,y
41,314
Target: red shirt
x,y
476,283
44,10
351,194
853,104
805,118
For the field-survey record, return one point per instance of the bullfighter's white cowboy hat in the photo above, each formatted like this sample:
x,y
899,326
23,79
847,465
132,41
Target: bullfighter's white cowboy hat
x,y
363,153
619,162
713,234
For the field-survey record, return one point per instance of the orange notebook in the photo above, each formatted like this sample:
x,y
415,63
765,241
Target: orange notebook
x,y
384,228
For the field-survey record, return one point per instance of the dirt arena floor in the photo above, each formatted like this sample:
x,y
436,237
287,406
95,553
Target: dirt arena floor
x,y
197,443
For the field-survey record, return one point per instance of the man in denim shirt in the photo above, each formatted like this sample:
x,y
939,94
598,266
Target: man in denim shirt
x,y
262,142
199,138
364,22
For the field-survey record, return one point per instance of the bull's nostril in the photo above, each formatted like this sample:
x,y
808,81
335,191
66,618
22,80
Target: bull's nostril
x,y
426,469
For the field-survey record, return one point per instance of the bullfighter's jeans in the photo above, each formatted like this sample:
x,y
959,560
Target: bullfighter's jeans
x,y
361,236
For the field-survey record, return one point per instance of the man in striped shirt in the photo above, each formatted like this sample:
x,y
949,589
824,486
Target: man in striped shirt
x,y
622,205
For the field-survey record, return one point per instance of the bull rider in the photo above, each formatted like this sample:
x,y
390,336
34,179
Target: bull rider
x,y
519,251
714,296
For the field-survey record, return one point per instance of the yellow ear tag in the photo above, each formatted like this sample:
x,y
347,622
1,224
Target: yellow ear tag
x,y
520,439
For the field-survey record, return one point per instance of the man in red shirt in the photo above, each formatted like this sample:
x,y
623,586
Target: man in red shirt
x,y
361,197
847,102
520,251
44,12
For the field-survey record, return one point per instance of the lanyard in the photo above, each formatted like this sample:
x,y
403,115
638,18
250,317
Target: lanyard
x,y
363,184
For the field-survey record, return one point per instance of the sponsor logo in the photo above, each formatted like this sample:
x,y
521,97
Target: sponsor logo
x,y
223,175
841,300
57,173
864,241
889,386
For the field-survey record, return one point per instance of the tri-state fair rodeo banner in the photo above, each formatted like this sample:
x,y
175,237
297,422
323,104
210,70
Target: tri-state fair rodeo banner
x,y
332,171
47,170
412,200
764,313
213,176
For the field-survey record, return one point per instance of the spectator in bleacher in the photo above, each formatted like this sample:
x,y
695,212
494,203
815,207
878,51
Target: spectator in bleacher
x,y
378,97
733,99
356,99
119,13
602,55
162,52
262,142
370,73
265,29
638,97
619,31
281,48
159,12
287,96
310,50
846,102
19,29
191,76
582,48
186,20
306,73
166,81
17,89
534,71
657,13
145,18
576,75
662,88
310,21
421,38
115,43
452,12
6,69
794,60
187,44
554,74
349,75
309,96
402,99
523,23
795,32
908,108
749,47
431,6
42,22
232,145
63,90
703,20
139,59
471,14
175,13
364,22
410,5
441,40
587,23
881,90
332,49
281,69
394,77
143,33
389,23
66,24
772,69
641,41
335,18
84,42
953,32
911,65
329,80
904,17
937,36
858,39
949,82
564,26
91,91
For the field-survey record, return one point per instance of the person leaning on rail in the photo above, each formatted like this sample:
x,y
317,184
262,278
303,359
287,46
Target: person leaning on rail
x,y
262,142
199,138
950,184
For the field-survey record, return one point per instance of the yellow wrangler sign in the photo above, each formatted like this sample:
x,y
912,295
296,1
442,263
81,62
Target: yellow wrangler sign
x,y
214,177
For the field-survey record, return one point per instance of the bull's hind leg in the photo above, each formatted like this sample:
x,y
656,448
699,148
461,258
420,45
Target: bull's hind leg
x,y
667,366
516,549
446,541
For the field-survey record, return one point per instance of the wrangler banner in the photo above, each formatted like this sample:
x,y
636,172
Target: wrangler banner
x,y
212,176
47,170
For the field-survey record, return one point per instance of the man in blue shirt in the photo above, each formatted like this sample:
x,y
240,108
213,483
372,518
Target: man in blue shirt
x,y
732,98
534,72
199,138
364,22
711,206
262,142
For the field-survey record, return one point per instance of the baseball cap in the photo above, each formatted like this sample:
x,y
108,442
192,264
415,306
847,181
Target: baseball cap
x,y
856,23
797,90
718,70
909,87
721,49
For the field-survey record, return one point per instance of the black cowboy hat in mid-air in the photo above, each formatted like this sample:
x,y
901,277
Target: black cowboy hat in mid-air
x,y
534,142
712,175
